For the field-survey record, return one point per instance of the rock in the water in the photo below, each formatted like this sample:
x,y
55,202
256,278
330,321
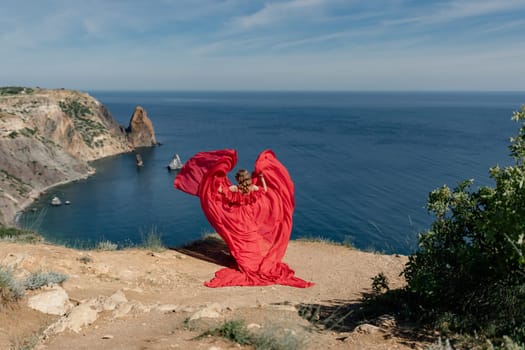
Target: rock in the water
x,y
140,130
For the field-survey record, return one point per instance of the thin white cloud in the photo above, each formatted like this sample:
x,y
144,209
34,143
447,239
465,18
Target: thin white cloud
x,y
492,28
230,46
469,8
275,11
312,40
460,9
60,22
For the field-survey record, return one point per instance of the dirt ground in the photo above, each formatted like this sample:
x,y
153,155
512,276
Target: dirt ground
x,y
158,301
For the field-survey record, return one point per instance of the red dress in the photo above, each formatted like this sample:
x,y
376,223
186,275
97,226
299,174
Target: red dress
x,y
255,226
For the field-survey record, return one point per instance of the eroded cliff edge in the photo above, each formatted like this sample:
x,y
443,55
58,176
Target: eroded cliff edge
x,y
48,137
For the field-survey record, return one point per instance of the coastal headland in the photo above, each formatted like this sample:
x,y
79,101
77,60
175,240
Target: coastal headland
x,y
48,137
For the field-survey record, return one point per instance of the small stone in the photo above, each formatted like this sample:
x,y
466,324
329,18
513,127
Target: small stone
x,y
119,297
168,308
366,328
107,336
211,311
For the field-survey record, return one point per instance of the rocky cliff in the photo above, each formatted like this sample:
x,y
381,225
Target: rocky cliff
x,y
47,137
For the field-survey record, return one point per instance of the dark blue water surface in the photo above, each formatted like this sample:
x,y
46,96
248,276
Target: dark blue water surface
x,y
363,163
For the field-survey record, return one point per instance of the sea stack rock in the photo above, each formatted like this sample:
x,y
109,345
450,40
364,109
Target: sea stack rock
x,y
140,130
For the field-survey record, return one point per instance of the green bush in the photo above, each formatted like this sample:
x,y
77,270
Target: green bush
x,y
271,338
74,108
14,90
469,271
88,129
13,234
28,132
233,330
8,232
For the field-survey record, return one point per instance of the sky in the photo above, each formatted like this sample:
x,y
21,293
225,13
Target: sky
x,y
324,45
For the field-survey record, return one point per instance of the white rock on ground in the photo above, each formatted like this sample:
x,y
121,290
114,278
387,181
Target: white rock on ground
x,y
80,316
210,311
53,302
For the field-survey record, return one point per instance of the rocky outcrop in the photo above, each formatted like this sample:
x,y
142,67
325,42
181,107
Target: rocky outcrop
x,y
47,137
140,130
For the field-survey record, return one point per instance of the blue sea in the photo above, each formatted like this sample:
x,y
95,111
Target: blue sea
x,y
363,163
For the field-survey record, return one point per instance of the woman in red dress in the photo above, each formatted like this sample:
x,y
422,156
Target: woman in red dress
x,y
254,218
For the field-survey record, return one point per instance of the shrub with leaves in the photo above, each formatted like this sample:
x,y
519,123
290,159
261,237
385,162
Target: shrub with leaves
x,y
270,338
12,234
233,330
40,278
88,128
380,283
10,289
14,90
107,246
470,266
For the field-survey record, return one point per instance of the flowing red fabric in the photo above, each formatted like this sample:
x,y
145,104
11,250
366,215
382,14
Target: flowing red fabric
x,y
255,226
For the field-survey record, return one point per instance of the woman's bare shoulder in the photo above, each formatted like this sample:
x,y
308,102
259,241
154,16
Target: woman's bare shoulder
x,y
234,188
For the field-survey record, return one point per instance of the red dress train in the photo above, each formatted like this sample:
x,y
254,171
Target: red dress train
x,y
255,226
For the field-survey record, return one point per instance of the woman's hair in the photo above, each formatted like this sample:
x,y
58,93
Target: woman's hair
x,y
244,180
